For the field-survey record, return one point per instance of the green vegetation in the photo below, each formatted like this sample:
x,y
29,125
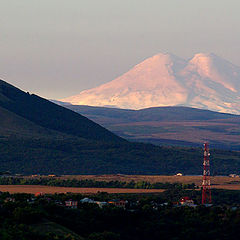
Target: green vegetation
x,y
75,156
24,217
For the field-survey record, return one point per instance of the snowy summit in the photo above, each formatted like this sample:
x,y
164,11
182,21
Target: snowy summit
x,y
206,81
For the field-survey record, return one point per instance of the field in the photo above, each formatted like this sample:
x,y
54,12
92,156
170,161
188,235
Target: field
x,y
218,182
51,190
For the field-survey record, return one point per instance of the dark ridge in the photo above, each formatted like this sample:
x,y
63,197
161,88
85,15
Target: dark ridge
x,y
176,113
51,116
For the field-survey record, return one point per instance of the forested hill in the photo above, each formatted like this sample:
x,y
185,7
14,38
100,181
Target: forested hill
x,y
46,114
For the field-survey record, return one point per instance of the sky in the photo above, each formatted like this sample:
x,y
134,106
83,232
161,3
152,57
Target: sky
x,y
57,48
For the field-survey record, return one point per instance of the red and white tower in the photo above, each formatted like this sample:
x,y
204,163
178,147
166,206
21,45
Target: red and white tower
x,y
206,186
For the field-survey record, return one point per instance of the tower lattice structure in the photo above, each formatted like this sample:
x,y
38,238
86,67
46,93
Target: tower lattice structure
x,y
206,185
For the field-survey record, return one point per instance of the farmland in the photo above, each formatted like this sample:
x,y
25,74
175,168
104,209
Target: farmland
x,y
33,189
218,182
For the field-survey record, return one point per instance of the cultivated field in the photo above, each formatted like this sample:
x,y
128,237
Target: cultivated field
x,y
218,182
51,190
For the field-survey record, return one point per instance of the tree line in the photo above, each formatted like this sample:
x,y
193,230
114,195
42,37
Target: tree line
x,y
89,183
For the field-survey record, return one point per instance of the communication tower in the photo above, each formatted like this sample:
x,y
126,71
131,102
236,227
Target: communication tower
x,y
206,186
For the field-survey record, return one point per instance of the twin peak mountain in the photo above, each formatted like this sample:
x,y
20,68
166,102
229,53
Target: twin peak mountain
x,y
206,81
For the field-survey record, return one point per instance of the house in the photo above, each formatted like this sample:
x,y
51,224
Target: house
x,y
186,201
179,174
71,204
87,200
35,175
58,202
9,199
101,204
118,203
233,175
39,194
31,200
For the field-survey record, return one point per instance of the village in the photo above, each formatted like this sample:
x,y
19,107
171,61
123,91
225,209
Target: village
x,y
78,201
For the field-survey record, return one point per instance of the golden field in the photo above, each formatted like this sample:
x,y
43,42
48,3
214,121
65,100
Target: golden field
x,y
51,190
218,182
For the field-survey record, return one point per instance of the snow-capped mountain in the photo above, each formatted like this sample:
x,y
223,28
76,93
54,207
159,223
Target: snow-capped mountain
x,y
206,81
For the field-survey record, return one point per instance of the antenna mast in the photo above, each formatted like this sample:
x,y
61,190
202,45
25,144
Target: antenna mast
x,y
206,186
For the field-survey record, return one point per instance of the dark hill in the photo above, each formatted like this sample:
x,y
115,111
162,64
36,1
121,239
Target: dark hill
x,y
51,116
12,124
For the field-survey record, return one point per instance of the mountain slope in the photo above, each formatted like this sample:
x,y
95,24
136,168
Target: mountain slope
x,y
206,81
51,116
12,124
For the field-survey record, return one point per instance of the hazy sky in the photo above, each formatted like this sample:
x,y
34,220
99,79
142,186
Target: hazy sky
x,y
56,48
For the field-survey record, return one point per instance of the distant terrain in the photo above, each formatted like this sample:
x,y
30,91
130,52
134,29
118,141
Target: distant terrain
x,y
182,126
38,136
